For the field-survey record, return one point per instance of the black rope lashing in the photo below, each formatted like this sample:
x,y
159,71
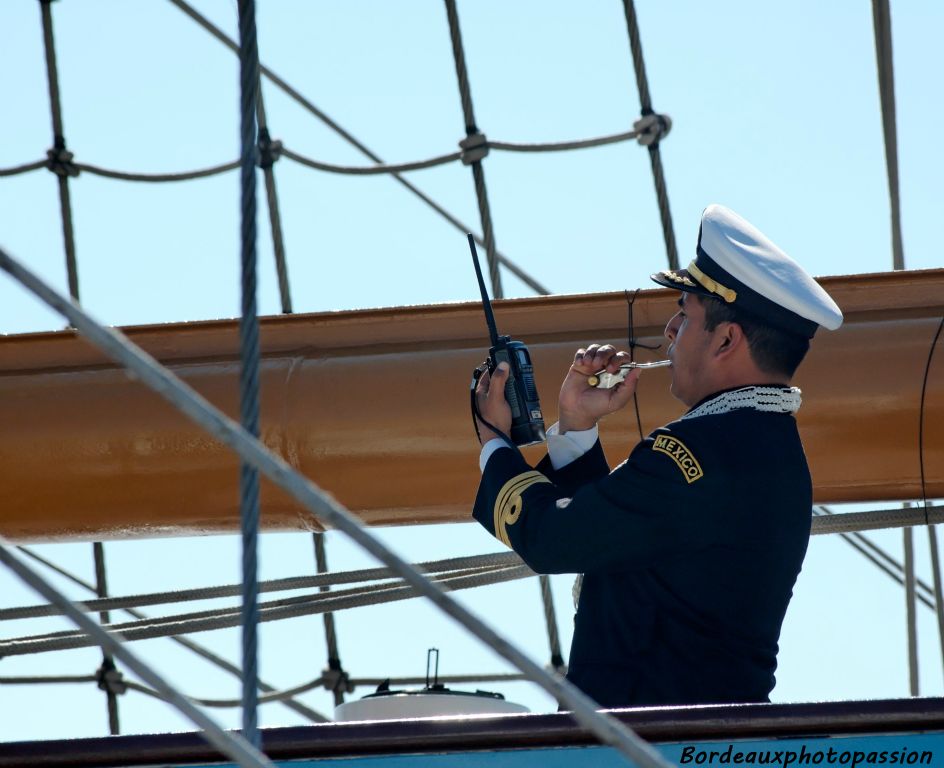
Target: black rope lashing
x,y
249,368
335,671
550,621
310,107
474,146
109,678
270,150
655,160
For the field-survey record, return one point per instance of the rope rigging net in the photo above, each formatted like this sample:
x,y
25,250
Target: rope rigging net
x,y
260,150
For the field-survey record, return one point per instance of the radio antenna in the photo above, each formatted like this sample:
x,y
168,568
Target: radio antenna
x,y
486,304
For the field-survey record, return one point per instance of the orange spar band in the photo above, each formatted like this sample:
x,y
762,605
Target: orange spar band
x,y
373,406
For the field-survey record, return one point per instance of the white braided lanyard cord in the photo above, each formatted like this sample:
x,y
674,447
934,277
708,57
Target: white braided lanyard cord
x,y
767,399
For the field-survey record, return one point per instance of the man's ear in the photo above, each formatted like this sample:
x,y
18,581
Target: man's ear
x,y
728,339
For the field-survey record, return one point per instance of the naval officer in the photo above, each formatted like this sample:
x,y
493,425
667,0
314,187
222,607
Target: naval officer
x,y
689,548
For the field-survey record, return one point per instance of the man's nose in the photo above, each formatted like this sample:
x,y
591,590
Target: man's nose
x,y
671,327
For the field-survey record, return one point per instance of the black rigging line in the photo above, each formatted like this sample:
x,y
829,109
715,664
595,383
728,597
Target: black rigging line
x,y
475,147
310,107
60,159
655,160
882,22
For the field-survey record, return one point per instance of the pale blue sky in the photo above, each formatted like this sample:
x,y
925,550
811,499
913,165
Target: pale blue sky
x,y
775,113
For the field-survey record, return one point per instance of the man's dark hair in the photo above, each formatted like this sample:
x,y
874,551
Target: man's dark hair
x,y
773,350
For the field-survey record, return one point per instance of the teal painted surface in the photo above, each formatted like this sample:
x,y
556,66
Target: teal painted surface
x,y
851,751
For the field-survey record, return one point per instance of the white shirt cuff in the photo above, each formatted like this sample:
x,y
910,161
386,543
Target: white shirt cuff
x,y
488,449
563,449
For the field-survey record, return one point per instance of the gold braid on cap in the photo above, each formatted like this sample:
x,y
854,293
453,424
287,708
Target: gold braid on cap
x,y
713,286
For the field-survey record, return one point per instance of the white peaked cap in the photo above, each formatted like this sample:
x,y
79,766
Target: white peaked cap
x,y
738,264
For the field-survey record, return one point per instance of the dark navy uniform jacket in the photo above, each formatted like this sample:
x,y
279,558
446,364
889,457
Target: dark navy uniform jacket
x,y
690,550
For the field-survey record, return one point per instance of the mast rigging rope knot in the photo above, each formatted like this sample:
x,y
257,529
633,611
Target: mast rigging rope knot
x,y
270,149
474,148
109,678
59,160
652,128
335,679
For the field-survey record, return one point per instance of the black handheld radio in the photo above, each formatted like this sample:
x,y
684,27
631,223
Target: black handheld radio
x,y
527,421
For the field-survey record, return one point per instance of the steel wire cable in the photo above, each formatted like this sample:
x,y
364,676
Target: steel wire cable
x,y
655,160
846,522
249,364
224,618
190,645
874,520
231,744
882,560
464,563
309,106
354,594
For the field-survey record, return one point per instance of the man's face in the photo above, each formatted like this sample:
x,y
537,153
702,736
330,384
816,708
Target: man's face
x,y
689,351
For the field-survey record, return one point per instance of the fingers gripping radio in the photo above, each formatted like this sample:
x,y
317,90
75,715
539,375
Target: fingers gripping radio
x,y
527,421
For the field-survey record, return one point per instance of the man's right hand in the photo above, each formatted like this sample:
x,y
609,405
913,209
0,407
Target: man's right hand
x,y
581,406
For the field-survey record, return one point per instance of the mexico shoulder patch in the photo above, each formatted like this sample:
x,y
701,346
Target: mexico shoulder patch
x,y
676,450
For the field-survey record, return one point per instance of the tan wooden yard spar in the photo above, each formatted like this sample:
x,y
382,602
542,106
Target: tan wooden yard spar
x,y
373,406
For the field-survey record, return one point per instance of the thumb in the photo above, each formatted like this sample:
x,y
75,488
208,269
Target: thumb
x,y
500,376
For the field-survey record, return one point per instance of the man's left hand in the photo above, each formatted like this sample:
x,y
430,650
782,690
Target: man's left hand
x,y
491,403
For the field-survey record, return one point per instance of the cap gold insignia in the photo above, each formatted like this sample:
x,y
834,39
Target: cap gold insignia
x,y
508,504
710,285
676,450
675,277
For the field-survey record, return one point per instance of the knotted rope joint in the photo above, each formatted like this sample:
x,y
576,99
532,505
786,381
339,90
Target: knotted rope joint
x,y
110,679
270,149
59,161
336,679
652,128
474,148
